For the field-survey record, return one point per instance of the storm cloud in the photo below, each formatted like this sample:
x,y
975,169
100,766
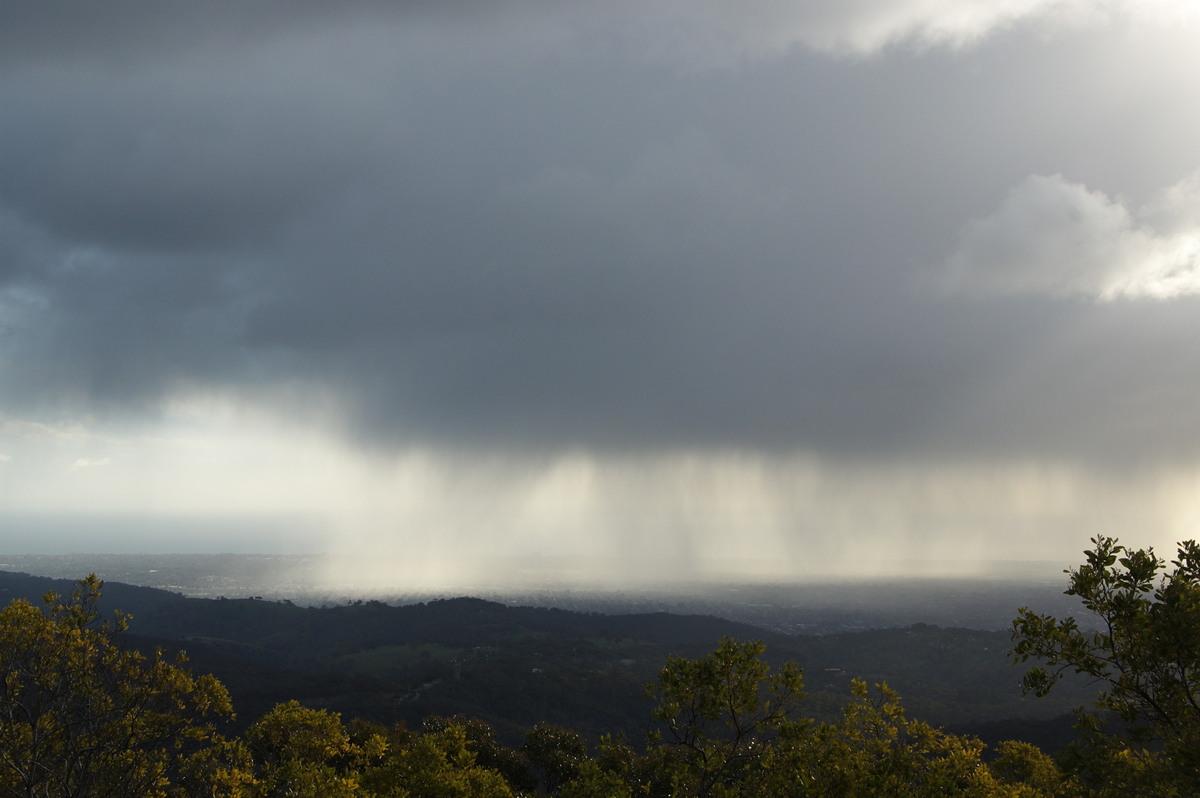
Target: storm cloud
x,y
868,235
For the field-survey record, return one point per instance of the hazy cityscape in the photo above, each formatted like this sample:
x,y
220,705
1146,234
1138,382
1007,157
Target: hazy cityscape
x,y
808,605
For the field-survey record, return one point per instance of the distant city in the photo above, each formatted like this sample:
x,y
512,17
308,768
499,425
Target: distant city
x,y
804,605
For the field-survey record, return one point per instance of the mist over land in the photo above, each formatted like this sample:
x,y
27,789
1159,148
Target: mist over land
x,y
807,604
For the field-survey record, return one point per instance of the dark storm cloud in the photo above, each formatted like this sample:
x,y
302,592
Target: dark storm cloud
x,y
147,162
131,33
472,233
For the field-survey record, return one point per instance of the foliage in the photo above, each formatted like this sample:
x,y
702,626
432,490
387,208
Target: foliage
x,y
591,779
1146,654
557,753
438,763
874,749
86,717
733,729
514,667
489,752
224,769
1027,766
80,715
308,752
720,710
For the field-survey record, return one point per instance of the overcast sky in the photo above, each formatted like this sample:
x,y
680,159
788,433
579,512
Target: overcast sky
x,y
683,280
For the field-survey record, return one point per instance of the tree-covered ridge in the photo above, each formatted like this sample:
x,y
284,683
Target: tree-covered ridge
x,y
515,666
82,714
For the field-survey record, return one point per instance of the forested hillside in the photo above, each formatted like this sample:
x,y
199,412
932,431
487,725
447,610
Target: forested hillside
x,y
469,697
516,666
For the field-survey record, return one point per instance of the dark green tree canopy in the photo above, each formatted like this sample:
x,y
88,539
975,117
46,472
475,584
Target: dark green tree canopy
x,y
82,716
1143,645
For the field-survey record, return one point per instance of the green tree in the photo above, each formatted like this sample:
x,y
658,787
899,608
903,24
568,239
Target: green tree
x,y
591,779
718,713
82,716
1144,648
437,763
1033,772
306,752
733,728
557,753
489,752
875,749
224,769
618,769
